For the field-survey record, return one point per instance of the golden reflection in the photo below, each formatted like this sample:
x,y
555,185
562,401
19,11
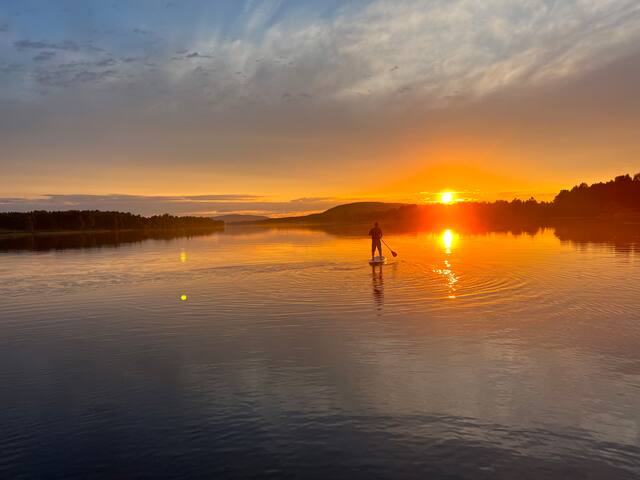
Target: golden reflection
x,y
448,238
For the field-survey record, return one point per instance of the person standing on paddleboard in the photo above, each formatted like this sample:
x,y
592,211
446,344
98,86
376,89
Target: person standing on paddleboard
x,y
376,240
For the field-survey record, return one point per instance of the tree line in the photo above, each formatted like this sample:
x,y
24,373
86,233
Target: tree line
x,y
78,220
620,195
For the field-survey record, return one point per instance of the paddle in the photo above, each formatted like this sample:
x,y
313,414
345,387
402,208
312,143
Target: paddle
x,y
392,252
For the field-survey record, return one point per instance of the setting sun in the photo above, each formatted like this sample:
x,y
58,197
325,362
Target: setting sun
x,y
446,197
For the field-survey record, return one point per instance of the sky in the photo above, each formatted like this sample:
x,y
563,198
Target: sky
x,y
290,106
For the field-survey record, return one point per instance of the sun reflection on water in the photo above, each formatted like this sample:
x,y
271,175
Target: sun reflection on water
x,y
448,239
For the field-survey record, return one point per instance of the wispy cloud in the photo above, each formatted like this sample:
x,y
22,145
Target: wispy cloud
x,y
44,56
390,51
36,45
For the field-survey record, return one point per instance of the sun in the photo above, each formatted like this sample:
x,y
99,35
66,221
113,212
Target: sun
x,y
446,197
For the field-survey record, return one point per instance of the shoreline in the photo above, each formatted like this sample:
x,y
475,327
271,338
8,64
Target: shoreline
x,y
50,233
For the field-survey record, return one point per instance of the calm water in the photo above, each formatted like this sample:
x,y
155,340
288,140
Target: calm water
x,y
272,353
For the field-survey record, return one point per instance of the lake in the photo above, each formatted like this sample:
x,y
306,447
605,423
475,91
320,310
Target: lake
x,y
280,353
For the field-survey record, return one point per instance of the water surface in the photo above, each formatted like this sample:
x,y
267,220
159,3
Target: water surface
x,y
282,353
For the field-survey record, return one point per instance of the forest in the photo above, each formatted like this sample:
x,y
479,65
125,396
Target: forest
x,y
621,195
95,220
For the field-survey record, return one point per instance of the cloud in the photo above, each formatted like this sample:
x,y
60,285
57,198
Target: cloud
x,y
89,76
31,45
197,55
107,62
73,73
391,53
44,56
429,52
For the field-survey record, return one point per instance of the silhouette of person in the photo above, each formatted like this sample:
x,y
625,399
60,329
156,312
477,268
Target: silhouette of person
x,y
376,240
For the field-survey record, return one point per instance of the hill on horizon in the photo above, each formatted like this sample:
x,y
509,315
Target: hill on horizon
x,y
349,212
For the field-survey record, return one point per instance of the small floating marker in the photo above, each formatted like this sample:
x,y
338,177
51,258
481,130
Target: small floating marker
x,y
183,297
183,257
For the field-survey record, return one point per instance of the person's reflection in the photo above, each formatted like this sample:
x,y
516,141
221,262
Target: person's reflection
x,y
378,286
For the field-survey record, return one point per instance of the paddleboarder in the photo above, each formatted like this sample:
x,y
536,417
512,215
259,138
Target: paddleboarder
x,y
376,240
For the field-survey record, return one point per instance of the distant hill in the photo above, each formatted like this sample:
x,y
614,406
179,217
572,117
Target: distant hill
x,y
237,218
348,213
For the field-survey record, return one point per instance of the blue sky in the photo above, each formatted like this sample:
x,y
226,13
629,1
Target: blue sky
x,y
310,99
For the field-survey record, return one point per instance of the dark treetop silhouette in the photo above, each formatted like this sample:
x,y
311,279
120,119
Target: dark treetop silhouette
x,y
92,220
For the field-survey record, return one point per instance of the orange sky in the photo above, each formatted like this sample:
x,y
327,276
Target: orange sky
x,y
296,109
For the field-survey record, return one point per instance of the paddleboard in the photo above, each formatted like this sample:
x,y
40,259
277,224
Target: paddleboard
x,y
378,261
